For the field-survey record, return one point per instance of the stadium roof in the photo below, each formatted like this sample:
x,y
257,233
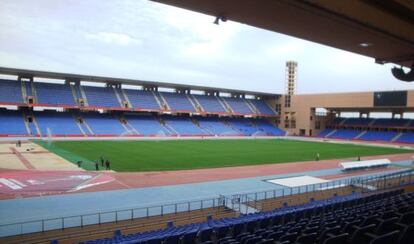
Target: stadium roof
x,y
103,79
381,29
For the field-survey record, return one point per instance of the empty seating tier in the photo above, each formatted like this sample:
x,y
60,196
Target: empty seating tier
x,y
101,97
147,125
57,124
12,123
54,94
262,107
10,92
178,102
104,124
238,105
379,135
184,126
217,127
210,104
51,123
345,134
142,99
407,137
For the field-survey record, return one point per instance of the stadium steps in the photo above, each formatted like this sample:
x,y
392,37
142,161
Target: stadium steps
x,y
199,107
74,94
361,134
225,105
167,127
409,123
118,97
35,126
79,125
85,127
397,137
24,92
26,124
26,84
192,102
372,122
83,94
78,234
160,103
343,121
330,133
171,129
128,127
252,106
125,96
34,92
164,102
197,123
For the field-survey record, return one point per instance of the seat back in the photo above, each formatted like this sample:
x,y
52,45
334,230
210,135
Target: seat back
x,y
339,239
388,238
407,235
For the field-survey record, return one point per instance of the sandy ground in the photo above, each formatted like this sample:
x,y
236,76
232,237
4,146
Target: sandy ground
x,y
31,156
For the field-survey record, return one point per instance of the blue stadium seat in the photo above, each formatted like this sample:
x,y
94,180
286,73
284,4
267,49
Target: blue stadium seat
x,y
178,102
104,124
210,104
10,92
12,123
263,107
57,124
101,97
184,126
328,225
142,99
54,94
238,105
147,125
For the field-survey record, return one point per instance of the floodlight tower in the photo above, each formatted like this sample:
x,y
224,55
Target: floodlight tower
x,y
291,78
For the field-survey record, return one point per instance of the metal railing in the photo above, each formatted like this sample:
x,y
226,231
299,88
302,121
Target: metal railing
x,y
236,202
26,227
362,184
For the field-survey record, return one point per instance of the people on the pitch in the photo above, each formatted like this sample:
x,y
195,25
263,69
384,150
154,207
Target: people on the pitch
x,y
96,166
107,165
79,163
102,161
317,157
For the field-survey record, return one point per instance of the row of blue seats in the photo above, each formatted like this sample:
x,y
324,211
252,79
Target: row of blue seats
x,y
64,95
364,219
380,122
349,134
68,124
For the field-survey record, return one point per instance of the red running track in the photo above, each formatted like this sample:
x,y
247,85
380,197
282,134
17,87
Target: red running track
x,y
29,183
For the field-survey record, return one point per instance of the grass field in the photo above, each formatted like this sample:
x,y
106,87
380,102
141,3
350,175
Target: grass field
x,y
128,156
194,154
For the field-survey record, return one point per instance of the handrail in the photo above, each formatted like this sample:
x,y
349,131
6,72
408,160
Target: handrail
x,y
264,195
124,227
106,217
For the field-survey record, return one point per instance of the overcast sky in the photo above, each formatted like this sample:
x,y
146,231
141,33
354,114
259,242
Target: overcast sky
x,y
144,40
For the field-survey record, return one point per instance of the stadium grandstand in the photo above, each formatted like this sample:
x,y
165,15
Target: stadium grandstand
x,y
95,159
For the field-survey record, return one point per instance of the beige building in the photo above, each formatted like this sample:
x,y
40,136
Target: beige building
x,y
300,117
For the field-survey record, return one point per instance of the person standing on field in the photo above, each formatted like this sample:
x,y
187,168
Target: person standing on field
x,y
96,166
102,161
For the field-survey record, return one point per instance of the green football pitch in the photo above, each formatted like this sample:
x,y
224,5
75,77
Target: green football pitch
x,y
127,156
